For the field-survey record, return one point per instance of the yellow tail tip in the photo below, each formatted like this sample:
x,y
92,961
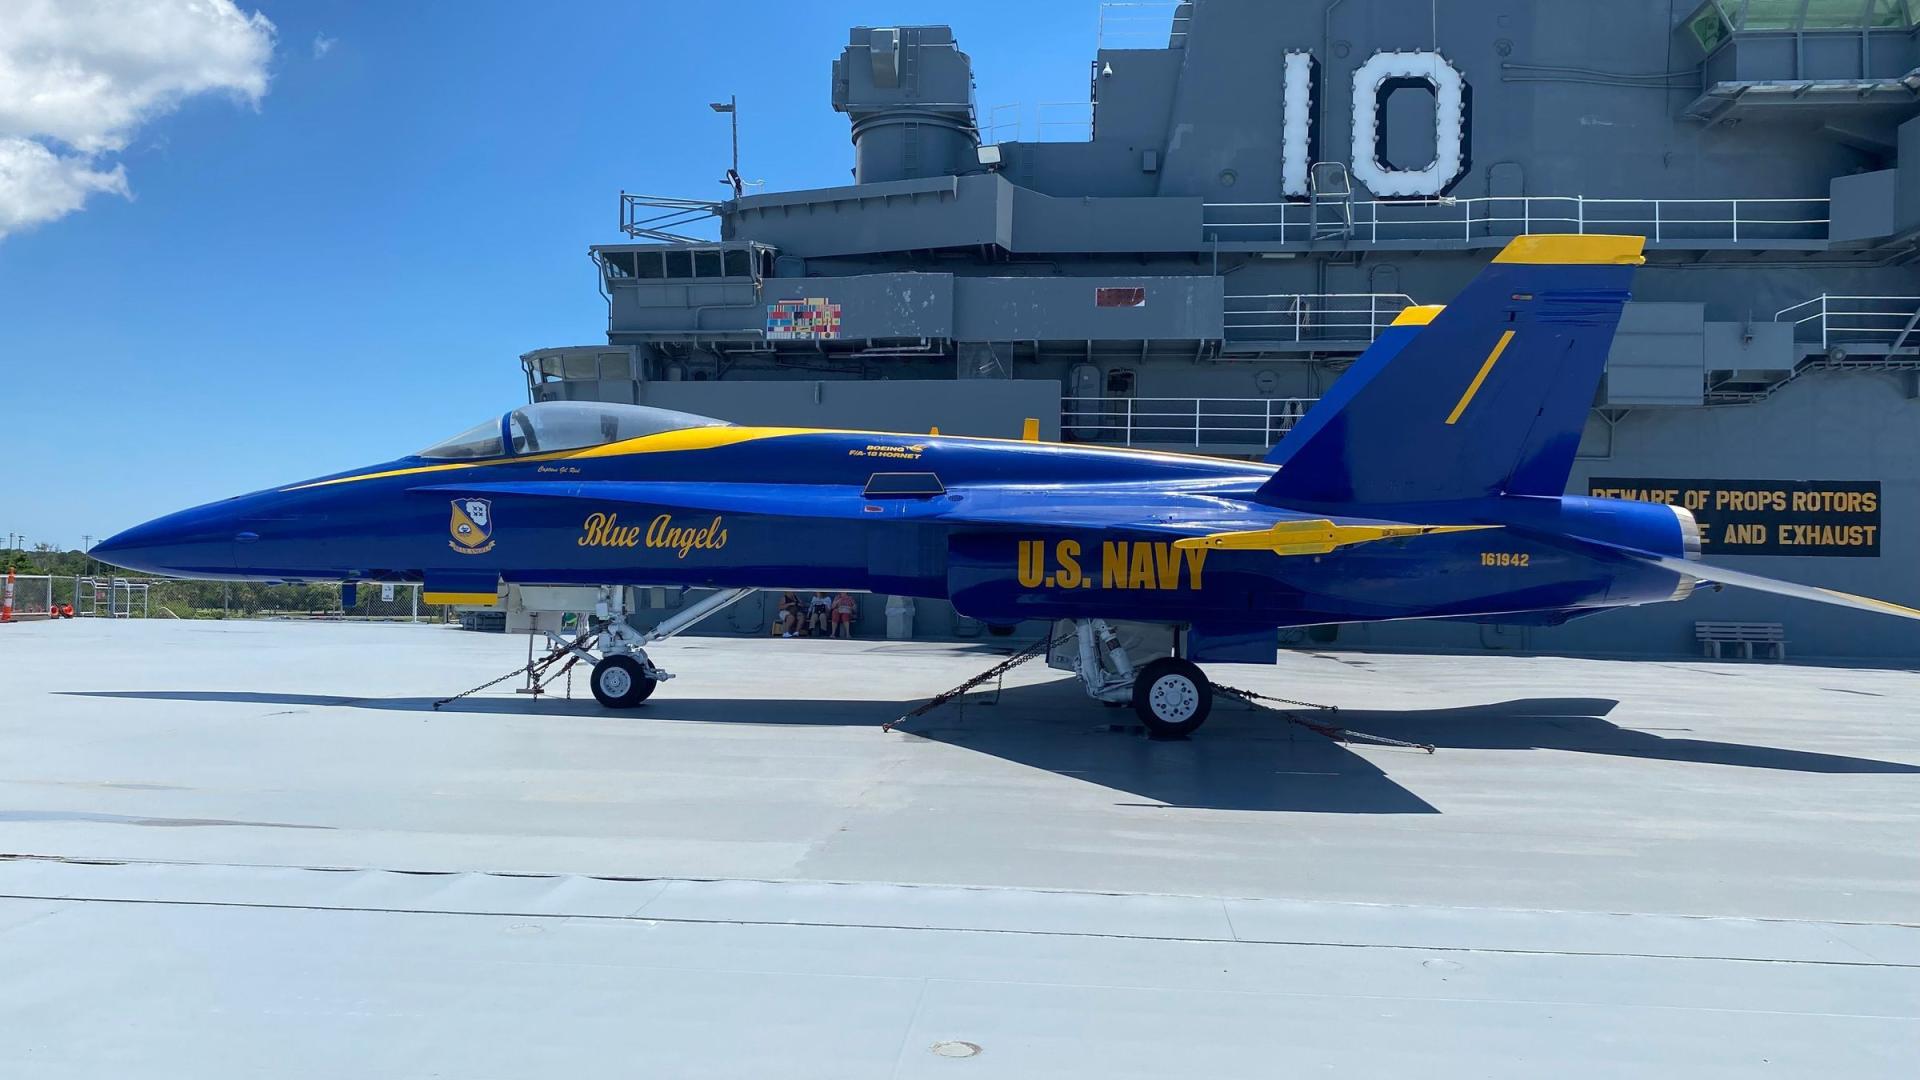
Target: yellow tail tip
x,y
1557,249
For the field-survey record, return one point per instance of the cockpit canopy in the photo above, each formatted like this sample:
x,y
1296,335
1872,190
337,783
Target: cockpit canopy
x,y
562,425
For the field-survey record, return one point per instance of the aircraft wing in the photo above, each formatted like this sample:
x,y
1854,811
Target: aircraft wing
x,y
1156,507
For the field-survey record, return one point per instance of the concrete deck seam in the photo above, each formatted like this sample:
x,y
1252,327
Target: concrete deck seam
x,y
684,920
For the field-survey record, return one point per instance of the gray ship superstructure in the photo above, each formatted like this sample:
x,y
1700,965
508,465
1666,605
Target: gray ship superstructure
x,y
1258,196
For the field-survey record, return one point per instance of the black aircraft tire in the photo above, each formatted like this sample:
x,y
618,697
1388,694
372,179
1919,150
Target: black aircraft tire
x,y
1172,697
620,682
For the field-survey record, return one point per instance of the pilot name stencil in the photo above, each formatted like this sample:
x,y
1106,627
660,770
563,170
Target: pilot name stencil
x,y
605,530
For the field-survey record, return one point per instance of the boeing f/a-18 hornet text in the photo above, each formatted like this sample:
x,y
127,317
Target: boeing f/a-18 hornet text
x,y
1429,484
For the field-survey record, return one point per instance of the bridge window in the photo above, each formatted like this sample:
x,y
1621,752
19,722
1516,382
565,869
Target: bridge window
x,y
1778,14
678,262
1708,26
1890,13
1854,15
1713,20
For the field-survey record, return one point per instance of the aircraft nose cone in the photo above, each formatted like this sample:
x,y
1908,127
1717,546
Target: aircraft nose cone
x,y
197,541
119,543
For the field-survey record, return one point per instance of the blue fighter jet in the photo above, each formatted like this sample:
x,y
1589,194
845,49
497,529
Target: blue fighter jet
x,y
1429,484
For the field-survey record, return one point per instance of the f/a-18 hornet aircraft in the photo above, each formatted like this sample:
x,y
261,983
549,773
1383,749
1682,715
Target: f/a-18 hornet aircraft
x,y
1429,484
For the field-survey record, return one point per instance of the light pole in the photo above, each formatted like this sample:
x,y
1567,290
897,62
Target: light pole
x,y
86,548
731,107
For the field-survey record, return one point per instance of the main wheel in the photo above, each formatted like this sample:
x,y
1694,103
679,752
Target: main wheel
x,y
1172,697
621,682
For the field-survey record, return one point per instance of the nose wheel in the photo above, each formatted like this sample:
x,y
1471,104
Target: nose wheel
x,y
1172,697
620,681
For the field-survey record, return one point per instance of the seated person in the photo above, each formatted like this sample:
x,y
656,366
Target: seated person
x,y
789,615
843,612
819,607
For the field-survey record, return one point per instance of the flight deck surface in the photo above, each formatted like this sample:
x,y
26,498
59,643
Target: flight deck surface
x,y
253,848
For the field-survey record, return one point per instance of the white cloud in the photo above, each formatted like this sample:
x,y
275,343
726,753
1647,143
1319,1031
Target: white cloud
x,y
79,77
322,45
38,185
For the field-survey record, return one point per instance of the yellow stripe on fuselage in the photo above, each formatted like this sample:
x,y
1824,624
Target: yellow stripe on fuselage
x,y
708,438
1474,386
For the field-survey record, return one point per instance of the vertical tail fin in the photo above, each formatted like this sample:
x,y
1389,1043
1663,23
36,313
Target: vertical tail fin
x,y
1489,397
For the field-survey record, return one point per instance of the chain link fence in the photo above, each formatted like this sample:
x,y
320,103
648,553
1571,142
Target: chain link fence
x,y
32,595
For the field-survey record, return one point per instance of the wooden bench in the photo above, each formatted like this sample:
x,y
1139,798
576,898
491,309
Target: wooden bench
x,y
1712,635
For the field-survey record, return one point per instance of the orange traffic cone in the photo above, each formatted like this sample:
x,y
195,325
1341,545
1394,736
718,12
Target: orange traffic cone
x,y
6,602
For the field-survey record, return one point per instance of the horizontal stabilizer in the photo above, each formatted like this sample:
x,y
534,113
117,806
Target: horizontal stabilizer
x,y
1723,576
1315,537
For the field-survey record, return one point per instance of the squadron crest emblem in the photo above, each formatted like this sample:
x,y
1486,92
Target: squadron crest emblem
x,y
472,526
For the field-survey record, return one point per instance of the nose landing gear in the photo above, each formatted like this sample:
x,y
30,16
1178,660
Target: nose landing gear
x,y
621,681
623,675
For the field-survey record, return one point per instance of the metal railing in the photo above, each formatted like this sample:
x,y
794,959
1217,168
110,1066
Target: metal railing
x,y
1043,121
654,217
1883,322
1311,317
1192,421
1660,220
111,597
1140,24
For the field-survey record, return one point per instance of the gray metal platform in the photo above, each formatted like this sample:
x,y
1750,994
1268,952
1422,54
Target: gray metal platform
x,y
254,849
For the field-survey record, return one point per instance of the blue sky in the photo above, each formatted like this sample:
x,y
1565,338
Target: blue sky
x,y
348,269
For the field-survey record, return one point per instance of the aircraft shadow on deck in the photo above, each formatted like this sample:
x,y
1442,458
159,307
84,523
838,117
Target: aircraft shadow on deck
x,y
1242,760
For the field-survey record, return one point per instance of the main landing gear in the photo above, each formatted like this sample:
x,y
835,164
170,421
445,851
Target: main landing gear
x,y
1171,695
